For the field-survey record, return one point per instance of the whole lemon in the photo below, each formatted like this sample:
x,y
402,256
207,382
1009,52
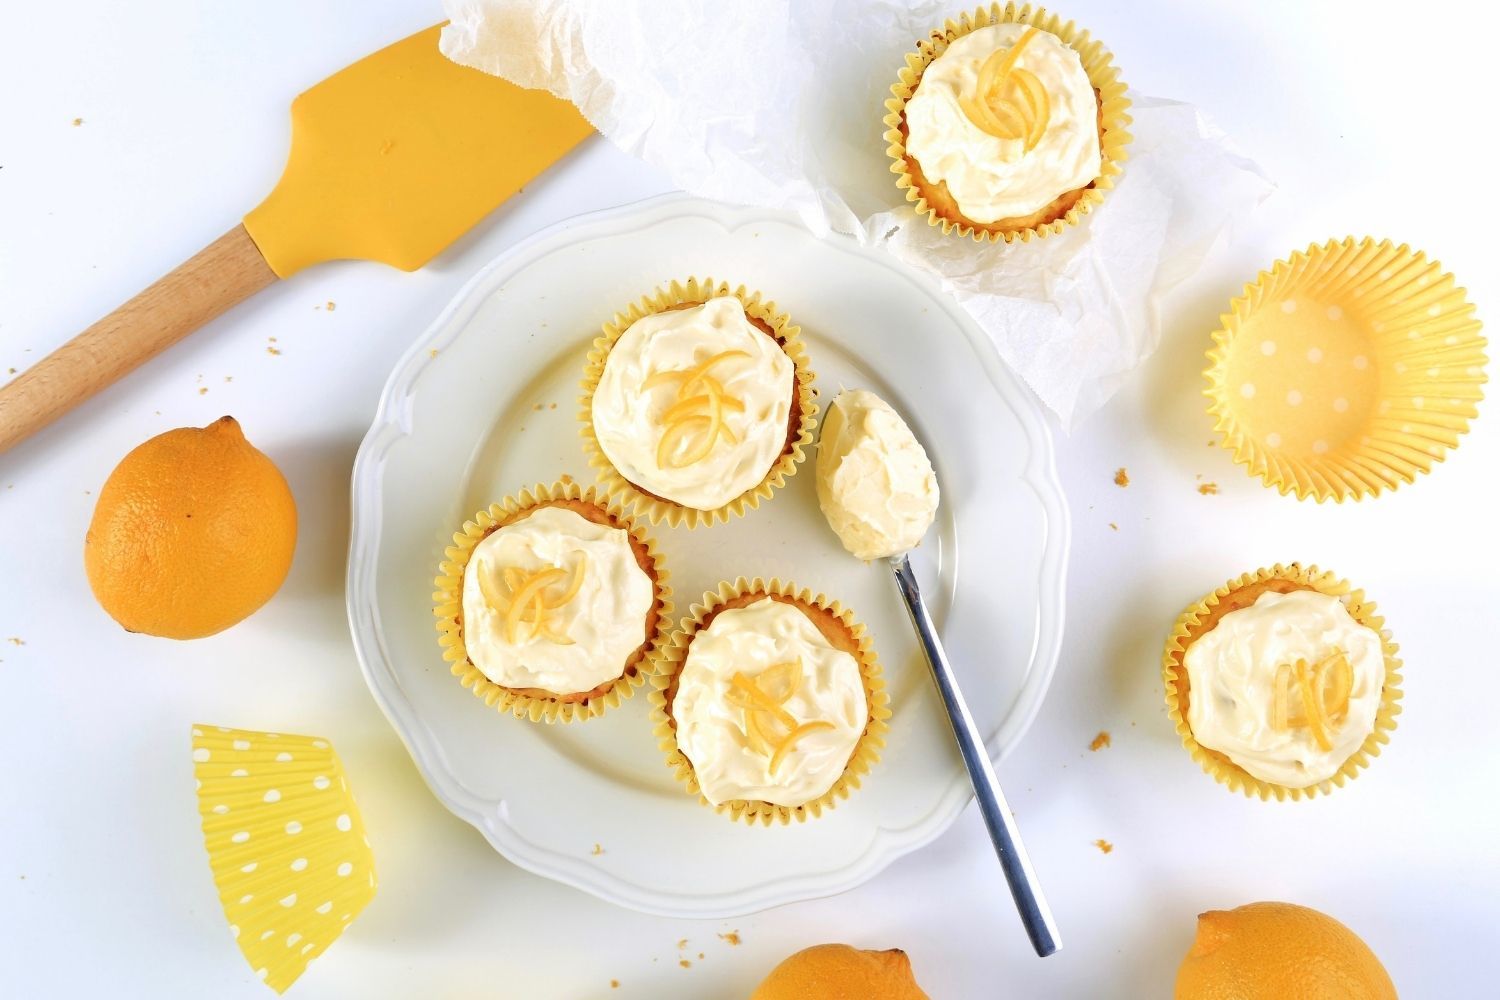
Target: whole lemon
x,y
1278,951
839,972
193,531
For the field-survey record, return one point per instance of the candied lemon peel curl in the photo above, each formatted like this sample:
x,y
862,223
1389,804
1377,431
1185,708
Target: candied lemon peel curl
x,y
1009,102
698,415
1322,695
757,701
528,604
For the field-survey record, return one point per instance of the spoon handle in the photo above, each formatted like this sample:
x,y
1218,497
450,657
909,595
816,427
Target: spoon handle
x,y
1024,887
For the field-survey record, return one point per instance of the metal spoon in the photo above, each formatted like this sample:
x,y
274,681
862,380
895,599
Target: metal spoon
x,y
1024,888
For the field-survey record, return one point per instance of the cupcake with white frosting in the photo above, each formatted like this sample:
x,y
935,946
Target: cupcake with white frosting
x,y
549,603
1007,124
698,402
1282,683
769,702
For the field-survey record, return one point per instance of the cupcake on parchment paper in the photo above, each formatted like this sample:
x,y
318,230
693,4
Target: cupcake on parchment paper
x,y
1007,124
698,403
1282,683
769,702
549,603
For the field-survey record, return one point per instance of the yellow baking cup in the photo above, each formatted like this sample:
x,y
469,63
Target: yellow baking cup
x,y
669,661
696,292
1201,616
1345,370
288,850
447,600
1114,116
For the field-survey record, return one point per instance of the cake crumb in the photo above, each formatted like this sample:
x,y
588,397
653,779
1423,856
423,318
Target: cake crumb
x,y
684,963
1113,526
682,944
1208,489
1104,846
16,640
432,353
11,372
537,407
700,956
1122,478
331,306
272,350
1101,741
614,984
597,850
551,406
203,390
229,378
567,480
77,122
732,938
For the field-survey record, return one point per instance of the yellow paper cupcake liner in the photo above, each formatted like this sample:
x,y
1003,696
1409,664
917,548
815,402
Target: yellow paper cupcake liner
x,y
866,752
1219,766
287,847
1102,73
1346,370
447,602
696,292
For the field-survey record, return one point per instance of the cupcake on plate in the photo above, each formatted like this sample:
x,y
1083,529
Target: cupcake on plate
x,y
1282,683
549,603
769,702
698,403
1008,124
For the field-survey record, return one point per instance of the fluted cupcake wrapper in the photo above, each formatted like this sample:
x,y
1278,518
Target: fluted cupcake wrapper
x,y
447,600
1346,370
866,751
285,842
1174,675
695,292
1102,73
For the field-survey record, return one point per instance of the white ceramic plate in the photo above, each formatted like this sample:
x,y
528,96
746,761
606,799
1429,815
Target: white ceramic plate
x,y
486,401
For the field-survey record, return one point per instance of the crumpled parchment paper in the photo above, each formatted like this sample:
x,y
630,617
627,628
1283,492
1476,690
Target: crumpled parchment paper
x,y
779,103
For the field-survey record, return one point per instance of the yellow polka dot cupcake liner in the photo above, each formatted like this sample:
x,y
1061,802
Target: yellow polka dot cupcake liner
x,y
1346,370
689,293
285,842
1200,618
1098,63
669,662
448,609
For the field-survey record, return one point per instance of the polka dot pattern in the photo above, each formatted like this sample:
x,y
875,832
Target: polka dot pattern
x,y
1346,370
286,844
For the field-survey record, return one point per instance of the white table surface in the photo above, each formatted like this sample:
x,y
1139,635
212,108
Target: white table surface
x,y
1370,120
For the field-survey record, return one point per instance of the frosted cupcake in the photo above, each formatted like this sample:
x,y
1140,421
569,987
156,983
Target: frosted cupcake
x,y
698,403
1007,124
548,604
1282,683
771,703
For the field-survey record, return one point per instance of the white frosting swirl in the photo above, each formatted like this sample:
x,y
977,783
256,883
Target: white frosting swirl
x,y
628,418
711,731
1232,680
606,618
875,483
992,178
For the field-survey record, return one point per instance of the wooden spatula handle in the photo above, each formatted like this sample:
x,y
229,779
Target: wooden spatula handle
x,y
227,271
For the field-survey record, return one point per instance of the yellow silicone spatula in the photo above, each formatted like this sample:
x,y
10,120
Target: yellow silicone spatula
x,y
392,159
